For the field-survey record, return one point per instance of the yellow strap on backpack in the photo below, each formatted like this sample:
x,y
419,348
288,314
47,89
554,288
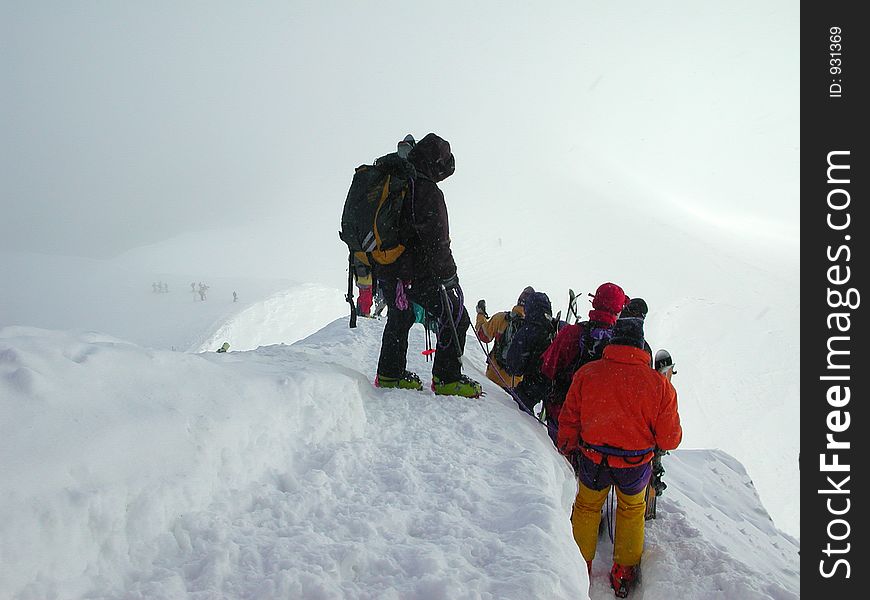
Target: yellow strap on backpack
x,y
385,257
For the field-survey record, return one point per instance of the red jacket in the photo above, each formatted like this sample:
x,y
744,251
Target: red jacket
x,y
619,401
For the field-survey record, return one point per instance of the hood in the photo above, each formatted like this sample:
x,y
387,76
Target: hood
x,y
537,306
432,157
628,331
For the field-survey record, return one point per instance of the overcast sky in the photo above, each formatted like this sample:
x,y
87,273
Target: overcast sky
x,y
128,123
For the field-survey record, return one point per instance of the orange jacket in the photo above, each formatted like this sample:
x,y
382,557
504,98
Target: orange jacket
x,y
489,330
619,401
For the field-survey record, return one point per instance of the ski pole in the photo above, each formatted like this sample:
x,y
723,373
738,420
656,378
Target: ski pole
x,y
426,324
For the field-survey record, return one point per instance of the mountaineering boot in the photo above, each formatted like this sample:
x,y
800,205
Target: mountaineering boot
x,y
622,579
408,381
464,386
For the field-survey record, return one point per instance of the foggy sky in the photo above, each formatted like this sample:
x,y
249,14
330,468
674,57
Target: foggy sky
x,y
125,124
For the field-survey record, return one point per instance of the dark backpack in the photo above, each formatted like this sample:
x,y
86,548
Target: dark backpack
x,y
503,343
532,337
592,343
593,340
370,221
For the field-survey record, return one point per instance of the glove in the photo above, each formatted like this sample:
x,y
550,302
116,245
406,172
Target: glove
x,y
451,282
481,308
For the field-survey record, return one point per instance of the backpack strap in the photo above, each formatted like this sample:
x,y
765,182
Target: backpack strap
x,y
583,346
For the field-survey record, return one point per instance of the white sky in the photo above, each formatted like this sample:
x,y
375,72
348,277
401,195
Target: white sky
x,y
125,124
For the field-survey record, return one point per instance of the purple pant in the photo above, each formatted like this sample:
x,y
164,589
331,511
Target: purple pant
x,y
630,480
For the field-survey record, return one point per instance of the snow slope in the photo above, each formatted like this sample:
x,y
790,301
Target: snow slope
x,y
116,297
724,303
282,473
283,317
723,294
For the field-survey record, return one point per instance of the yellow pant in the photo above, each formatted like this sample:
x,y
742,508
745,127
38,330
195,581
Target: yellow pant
x,y
628,538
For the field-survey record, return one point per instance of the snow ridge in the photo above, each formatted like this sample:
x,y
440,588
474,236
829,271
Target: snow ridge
x,y
282,473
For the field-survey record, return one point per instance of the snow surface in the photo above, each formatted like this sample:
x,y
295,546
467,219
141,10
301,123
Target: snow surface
x,y
281,472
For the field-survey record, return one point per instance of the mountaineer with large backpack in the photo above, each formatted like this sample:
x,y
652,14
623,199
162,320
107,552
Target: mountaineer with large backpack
x,y
523,356
577,344
396,217
500,328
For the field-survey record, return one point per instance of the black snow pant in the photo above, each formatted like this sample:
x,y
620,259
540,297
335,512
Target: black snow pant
x,y
394,345
532,389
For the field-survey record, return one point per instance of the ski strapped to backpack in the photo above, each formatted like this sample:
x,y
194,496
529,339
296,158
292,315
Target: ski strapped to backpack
x,y
572,307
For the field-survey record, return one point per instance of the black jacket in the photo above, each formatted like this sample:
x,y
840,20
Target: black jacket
x,y
524,353
426,233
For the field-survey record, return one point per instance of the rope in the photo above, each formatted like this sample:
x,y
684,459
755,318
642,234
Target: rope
x,y
489,360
